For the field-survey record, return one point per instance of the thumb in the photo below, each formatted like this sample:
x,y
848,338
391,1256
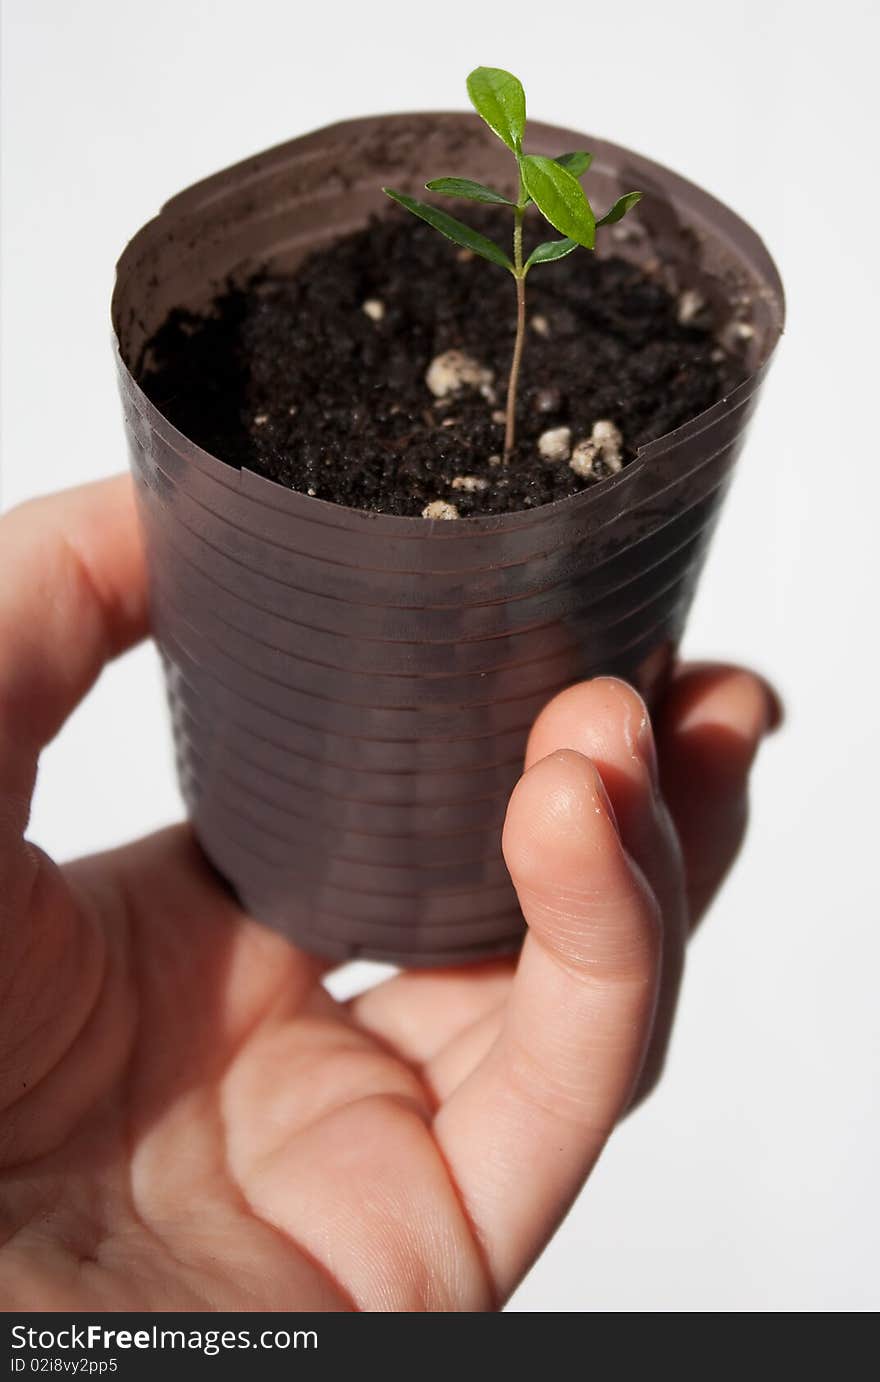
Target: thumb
x,y
525,1128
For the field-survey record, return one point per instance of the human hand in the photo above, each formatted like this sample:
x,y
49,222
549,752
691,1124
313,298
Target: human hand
x,y
190,1121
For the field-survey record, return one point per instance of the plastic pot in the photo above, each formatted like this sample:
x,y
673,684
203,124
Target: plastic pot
x,y
351,692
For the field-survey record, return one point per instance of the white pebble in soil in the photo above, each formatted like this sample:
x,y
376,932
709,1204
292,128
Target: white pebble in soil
x,y
374,308
738,333
582,458
603,445
607,434
540,325
609,440
555,444
438,508
613,460
454,370
691,304
471,484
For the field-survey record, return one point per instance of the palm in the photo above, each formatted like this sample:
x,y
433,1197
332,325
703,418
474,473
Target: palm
x,y
242,1118
190,1120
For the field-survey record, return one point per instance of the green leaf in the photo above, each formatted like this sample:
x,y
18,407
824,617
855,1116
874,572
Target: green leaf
x,y
576,164
620,208
498,97
472,191
560,198
551,249
454,230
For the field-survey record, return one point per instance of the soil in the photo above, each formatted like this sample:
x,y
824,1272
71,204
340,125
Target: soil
x,y
298,380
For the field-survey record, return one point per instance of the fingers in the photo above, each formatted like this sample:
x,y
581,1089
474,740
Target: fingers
x,y
419,1012
525,1127
74,594
446,1021
142,936
708,730
608,721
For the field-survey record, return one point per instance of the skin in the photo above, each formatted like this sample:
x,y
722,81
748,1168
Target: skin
x,y
190,1121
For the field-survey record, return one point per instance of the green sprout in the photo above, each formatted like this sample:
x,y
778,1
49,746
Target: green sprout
x,y
551,183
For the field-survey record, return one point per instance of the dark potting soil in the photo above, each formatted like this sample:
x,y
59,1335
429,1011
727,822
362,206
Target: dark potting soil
x,y
318,380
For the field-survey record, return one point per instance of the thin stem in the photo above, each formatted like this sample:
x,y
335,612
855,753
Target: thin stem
x,y
519,274
510,415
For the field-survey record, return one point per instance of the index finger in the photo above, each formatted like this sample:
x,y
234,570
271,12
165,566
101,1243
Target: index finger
x,y
73,596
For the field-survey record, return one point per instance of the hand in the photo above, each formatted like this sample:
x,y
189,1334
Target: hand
x,y
189,1121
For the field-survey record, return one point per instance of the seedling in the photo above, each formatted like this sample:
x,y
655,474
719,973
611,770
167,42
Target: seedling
x,y
551,183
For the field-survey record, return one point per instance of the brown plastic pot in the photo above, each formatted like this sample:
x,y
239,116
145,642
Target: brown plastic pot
x,y
351,692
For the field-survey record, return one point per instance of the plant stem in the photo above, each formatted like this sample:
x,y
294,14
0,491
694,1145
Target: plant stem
x,y
519,275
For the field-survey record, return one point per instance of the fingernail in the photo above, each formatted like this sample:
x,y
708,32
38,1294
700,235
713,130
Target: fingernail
x,y
775,708
605,800
648,750
637,728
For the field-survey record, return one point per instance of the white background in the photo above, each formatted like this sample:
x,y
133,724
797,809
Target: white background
x,y
749,1183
